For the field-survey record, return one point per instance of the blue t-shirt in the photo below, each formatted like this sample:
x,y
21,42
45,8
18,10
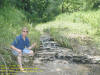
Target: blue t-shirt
x,y
20,43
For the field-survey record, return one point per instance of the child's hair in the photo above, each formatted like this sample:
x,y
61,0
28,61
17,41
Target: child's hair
x,y
24,28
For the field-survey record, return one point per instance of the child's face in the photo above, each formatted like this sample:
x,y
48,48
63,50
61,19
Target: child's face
x,y
24,32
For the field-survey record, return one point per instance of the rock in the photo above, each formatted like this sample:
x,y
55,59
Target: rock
x,y
58,69
37,61
94,59
51,50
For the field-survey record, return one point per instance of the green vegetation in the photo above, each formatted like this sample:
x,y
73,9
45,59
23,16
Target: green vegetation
x,y
69,29
46,10
11,22
68,22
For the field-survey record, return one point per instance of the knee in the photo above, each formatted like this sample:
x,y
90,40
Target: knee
x,y
31,52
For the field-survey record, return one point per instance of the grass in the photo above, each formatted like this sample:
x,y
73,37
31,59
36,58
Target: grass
x,y
11,22
78,27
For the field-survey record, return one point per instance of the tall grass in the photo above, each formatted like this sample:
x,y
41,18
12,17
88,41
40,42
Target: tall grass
x,y
11,22
82,27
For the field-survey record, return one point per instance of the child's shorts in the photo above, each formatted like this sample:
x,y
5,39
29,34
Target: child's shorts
x,y
25,51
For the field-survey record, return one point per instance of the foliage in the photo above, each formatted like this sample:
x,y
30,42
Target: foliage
x,y
45,10
82,24
11,22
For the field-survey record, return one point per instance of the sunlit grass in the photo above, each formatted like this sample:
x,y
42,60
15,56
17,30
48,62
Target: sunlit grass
x,y
79,26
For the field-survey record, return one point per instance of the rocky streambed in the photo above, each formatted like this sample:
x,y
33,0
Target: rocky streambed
x,y
52,59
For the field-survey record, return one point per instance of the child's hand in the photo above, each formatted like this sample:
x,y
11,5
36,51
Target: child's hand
x,y
34,44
